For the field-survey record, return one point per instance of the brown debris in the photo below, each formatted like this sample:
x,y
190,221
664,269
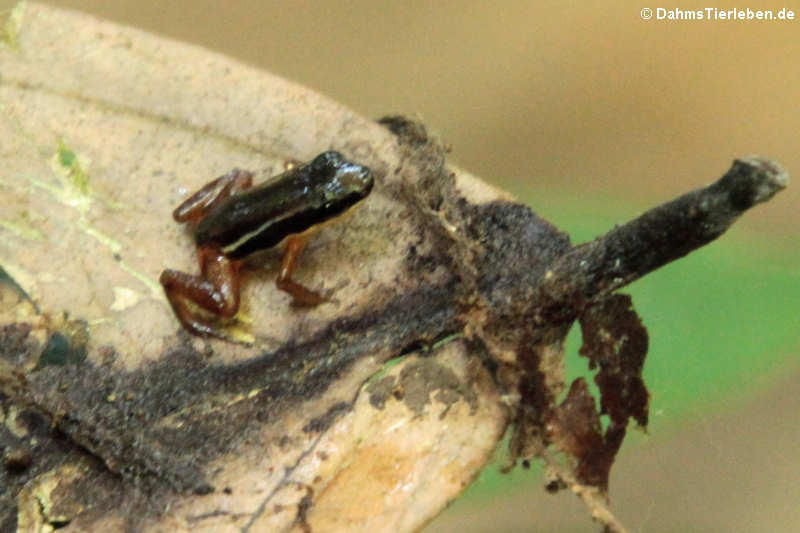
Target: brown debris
x,y
615,342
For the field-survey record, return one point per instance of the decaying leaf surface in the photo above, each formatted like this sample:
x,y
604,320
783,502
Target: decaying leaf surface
x,y
116,418
95,159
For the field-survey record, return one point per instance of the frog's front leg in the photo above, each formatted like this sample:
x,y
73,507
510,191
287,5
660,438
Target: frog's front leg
x,y
302,295
200,301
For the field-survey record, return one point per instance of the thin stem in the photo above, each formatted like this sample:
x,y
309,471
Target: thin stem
x,y
663,234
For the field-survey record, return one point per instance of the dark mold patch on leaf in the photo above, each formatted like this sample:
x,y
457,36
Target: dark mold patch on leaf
x,y
16,345
322,423
17,460
65,348
380,391
417,382
32,448
155,428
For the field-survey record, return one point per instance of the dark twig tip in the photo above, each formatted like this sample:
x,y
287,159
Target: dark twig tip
x,y
768,176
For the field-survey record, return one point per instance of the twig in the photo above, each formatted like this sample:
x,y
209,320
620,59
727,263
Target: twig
x,y
663,234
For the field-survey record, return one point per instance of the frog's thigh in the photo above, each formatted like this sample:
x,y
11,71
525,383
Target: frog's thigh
x,y
181,288
222,274
197,205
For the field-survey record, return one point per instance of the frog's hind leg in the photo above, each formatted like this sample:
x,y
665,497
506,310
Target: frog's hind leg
x,y
212,193
215,292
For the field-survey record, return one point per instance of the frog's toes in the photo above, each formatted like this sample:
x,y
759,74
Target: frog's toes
x,y
242,318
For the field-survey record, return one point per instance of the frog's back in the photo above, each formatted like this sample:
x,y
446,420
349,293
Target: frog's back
x,y
291,203
253,214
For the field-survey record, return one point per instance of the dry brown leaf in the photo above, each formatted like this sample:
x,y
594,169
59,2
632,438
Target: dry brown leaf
x,y
104,131
114,417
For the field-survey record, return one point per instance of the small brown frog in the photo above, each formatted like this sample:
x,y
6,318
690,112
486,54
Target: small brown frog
x,y
233,219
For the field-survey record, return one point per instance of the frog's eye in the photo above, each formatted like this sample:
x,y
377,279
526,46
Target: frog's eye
x,y
329,160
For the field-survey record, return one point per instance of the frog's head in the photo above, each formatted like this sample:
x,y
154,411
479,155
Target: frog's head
x,y
346,183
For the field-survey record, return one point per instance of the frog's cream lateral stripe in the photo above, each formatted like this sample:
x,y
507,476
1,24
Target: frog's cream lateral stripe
x,y
229,249
241,241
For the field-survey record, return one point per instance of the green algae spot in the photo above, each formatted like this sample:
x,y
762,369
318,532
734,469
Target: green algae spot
x,y
10,24
73,169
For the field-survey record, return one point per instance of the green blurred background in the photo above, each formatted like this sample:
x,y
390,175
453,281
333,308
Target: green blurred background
x,y
591,115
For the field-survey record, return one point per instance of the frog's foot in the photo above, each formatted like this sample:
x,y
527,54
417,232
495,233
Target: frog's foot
x,y
235,330
322,296
238,331
241,319
303,296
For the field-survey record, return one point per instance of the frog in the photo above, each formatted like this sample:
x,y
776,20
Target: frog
x,y
231,219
